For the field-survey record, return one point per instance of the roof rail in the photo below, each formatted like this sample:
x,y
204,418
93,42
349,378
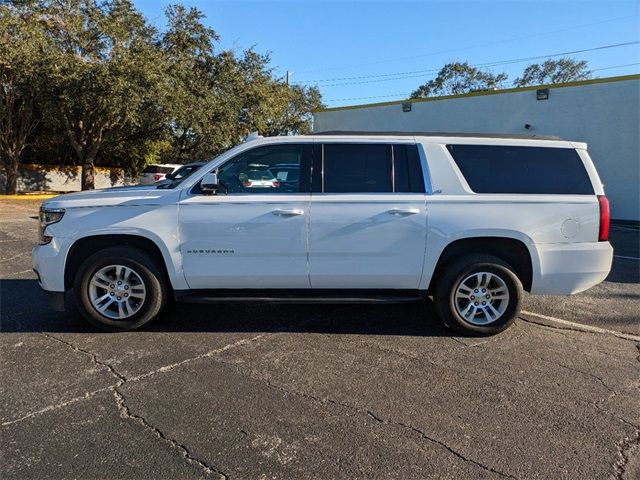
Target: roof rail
x,y
441,134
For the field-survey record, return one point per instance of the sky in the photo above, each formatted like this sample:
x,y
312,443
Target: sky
x,y
398,45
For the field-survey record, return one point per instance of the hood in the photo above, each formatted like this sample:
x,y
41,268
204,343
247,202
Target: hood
x,y
111,197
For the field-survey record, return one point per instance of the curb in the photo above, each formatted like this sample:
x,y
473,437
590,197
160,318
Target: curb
x,y
43,196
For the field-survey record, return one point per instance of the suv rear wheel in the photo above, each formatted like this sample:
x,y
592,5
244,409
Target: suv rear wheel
x,y
478,295
120,288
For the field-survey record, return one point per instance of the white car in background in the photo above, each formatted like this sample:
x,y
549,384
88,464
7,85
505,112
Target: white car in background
x,y
156,172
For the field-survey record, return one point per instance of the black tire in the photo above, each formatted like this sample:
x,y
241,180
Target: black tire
x,y
455,272
149,271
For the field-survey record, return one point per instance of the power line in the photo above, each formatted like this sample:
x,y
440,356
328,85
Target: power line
x,y
616,66
404,96
488,44
420,73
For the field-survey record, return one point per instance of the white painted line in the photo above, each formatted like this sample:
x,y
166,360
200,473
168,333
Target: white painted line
x,y
586,328
627,258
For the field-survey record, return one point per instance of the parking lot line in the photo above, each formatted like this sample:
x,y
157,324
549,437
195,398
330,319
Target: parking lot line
x,y
626,257
583,327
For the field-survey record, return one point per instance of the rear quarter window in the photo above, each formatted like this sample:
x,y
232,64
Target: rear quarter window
x,y
524,170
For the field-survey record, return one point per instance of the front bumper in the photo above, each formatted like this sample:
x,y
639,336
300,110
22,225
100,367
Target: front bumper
x,y
570,268
49,261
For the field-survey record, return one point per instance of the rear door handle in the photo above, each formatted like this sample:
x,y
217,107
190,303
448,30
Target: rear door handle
x,y
404,211
285,213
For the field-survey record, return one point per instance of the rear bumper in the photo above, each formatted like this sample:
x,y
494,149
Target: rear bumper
x,y
565,269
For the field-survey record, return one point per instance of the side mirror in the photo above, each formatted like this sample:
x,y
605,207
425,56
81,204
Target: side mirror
x,y
209,184
169,176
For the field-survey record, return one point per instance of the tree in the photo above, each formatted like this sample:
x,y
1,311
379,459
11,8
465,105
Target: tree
x,y
217,99
554,71
24,60
109,69
112,89
191,100
458,78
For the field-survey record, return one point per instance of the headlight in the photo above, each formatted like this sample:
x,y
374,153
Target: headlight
x,y
47,217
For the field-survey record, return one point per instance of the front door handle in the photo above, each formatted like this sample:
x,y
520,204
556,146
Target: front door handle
x,y
285,213
404,211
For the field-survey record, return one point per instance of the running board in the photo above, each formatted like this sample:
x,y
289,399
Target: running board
x,y
301,296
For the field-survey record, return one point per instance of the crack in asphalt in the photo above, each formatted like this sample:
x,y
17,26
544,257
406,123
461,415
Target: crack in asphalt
x,y
577,370
94,358
124,409
57,406
210,353
125,412
619,467
438,442
624,445
598,406
454,452
325,401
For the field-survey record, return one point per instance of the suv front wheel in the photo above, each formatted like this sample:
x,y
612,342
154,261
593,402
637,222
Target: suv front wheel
x,y
120,288
478,295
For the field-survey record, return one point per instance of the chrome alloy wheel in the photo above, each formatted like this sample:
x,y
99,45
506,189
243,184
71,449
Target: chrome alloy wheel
x,y
117,292
481,298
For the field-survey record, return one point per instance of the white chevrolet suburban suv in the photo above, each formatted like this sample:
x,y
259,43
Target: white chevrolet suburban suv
x,y
470,220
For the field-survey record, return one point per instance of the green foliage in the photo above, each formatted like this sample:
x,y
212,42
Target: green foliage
x,y
93,77
458,78
25,55
554,71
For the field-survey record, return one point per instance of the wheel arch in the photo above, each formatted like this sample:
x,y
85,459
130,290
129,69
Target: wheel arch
x,y
88,245
518,253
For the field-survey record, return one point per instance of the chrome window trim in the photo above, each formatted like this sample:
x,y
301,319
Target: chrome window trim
x,y
322,168
393,170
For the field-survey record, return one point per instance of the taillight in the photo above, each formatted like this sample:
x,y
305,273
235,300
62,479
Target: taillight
x,y
247,183
158,176
605,218
276,184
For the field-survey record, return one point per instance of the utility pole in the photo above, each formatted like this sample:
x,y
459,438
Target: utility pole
x,y
289,73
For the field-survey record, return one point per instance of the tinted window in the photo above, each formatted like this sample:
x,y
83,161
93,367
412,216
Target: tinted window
x,y
357,168
256,171
407,169
157,169
505,169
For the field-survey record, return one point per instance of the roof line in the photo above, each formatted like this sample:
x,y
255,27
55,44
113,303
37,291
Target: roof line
x,y
576,83
515,136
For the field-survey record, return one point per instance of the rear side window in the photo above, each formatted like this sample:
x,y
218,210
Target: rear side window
x,y
526,170
357,168
371,168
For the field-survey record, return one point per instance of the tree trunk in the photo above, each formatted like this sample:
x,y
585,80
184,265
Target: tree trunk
x,y
11,171
88,174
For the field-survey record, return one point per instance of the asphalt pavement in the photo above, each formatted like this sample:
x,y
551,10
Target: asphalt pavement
x,y
308,391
